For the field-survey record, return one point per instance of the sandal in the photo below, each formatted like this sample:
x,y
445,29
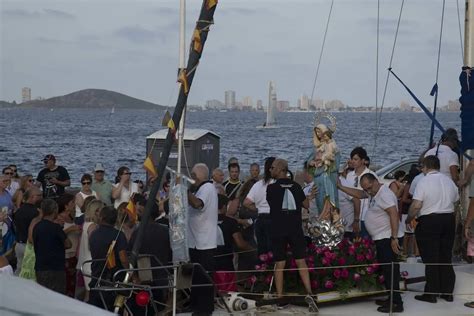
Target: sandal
x,y
469,304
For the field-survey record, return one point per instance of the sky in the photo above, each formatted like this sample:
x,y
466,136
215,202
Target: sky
x,y
131,47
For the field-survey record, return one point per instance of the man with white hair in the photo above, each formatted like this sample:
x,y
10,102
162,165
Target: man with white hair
x,y
202,236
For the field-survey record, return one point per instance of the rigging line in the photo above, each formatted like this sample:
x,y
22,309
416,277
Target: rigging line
x,y
377,74
460,31
388,76
434,91
322,50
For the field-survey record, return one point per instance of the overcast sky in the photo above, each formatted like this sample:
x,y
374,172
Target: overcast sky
x,y
58,47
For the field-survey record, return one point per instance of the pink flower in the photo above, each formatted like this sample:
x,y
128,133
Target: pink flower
x,y
360,258
253,279
326,261
270,255
375,266
329,284
327,254
369,256
351,250
319,251
310,265
345,273
314,284
381,279
268,279
258,267
341,261
370,270
263,257
264,266
312,246
404,274
310,259
356,277
337,273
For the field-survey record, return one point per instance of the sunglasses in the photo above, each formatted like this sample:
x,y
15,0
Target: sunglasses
x,y
129,173
14,170
99,171
9,173
86,182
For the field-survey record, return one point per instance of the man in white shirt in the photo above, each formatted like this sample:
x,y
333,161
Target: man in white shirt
x,y
382,223
202,236
256,200
358,161
448,159
433,203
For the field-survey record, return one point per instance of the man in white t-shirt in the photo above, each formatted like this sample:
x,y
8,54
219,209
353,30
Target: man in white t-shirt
x,y
256,200
433,203
202,236
448,159
383,224
358,161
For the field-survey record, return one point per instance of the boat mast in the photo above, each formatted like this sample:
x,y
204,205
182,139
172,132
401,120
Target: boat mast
x,y
182,53
468,34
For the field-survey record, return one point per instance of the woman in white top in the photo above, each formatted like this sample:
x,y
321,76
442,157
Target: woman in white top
x,y
86,191
84,252
123,187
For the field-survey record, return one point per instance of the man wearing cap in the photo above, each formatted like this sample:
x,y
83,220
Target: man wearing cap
x,y
102,186
53,178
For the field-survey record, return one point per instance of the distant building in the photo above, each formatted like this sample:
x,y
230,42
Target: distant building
x,y
453,105
283,106
259,105
303,102
247,102
26,94
214,105
230,99
405,107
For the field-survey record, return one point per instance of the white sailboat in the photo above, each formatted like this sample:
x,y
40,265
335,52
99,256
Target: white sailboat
x,y
271,109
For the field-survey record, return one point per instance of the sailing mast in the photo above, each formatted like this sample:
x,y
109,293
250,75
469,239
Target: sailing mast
x,y
182,53
271,105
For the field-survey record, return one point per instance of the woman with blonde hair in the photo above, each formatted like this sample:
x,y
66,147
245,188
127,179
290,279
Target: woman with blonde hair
x,y
124,222
26,182
84,253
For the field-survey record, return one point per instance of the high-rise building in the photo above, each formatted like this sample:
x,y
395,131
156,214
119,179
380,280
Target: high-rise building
x,y
303,102
259,104
214,105
230,99
26,94
247,101
283,106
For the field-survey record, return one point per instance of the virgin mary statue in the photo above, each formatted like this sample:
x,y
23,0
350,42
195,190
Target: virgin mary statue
x,y
323,164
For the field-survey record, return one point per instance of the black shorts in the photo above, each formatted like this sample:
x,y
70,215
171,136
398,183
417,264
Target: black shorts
x,y
297,244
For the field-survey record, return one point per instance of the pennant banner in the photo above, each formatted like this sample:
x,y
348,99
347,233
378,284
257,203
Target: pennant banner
x,y
183,79
211,4
197,45
150,167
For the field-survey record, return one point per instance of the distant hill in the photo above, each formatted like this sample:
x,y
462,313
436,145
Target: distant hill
x,y
93,98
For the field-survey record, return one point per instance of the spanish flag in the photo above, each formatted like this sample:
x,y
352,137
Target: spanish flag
x,y
149,166
110,261
211,4
197,45
131,210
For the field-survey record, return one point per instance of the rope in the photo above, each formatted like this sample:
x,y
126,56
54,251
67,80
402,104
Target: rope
x,y
322,50
386,79
435,87
460,31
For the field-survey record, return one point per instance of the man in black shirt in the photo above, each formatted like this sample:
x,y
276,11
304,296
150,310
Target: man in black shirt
x,y
22,219
103,267
285,198
50,241
53,178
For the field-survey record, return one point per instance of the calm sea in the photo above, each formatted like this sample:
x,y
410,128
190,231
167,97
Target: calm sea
x,y
79,138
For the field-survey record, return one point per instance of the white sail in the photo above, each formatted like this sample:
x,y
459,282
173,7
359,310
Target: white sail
x,y
272,100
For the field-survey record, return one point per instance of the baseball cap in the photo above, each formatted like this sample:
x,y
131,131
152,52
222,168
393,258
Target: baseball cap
x,y
48,158
99,167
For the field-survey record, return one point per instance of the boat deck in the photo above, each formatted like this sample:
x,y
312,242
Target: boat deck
x,y
464,292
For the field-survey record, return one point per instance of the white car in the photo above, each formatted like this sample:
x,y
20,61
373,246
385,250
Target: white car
x,y
386,173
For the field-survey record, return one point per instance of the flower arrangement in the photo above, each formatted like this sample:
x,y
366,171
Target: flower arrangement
x,y
341,278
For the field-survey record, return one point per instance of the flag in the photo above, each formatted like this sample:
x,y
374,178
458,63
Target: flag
x,y
183,78
110,262
149,166
171,125
211,4
197,41
131,210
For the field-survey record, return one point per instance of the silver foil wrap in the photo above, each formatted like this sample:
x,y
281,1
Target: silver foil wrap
x,y
326,232
178,202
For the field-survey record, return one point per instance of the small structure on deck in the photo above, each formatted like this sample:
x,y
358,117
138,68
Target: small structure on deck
x,y
200,146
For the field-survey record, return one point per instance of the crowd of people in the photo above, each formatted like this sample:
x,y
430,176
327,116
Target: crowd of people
x,y
74,243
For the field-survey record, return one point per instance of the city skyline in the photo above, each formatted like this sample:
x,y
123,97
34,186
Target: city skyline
x,y
58,47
